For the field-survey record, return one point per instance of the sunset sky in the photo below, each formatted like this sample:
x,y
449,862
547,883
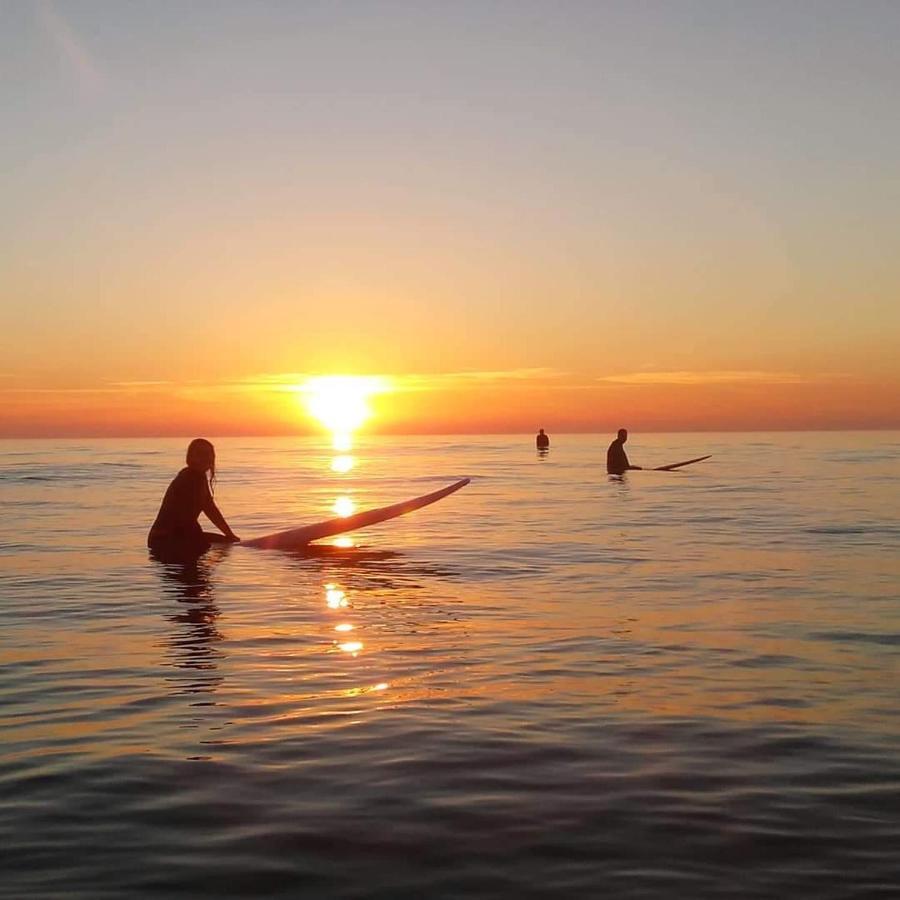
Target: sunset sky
x,y
575,215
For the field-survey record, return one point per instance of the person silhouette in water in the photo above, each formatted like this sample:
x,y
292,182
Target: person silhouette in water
x,y
616,458
542,441
176,534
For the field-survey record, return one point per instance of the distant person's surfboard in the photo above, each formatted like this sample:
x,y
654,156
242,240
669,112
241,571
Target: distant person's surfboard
x,y
297,538
678,465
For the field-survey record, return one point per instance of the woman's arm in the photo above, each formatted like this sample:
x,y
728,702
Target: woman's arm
x,y
214,516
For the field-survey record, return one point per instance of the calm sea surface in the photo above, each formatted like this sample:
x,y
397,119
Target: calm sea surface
x,y
549,684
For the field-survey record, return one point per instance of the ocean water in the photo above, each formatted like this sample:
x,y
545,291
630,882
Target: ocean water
x,y
552,683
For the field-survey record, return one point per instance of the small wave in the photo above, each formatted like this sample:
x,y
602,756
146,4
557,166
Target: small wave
x,y
839,530
765,660
79,473
885,639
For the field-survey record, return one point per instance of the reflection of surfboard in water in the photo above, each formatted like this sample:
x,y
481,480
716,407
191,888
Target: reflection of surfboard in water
x,y
295,538
678,465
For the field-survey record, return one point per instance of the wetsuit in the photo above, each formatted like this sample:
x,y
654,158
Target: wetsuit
x,y
542,441
176,532
616,459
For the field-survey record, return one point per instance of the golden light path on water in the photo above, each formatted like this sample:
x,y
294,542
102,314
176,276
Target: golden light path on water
x,y
340,403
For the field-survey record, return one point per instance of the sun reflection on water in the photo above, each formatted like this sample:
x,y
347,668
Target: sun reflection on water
x,y
344,506
355,692
342,442
335,598
342,464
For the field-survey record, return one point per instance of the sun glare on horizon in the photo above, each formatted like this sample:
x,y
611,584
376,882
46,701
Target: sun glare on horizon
x,y
341,403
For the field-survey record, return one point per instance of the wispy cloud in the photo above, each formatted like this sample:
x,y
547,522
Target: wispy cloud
x,y
51,390
76,58
410,382
112,387
720,377
521,378
436,381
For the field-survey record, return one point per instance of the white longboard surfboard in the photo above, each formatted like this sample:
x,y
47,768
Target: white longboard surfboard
x,y
297,538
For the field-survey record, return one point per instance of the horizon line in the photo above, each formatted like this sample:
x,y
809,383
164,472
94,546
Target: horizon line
x,y
380,434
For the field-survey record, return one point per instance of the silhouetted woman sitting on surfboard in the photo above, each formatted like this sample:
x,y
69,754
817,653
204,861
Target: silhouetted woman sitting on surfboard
x,y
176,534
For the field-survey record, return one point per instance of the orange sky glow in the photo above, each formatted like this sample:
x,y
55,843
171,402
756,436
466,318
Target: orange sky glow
x,y
683,224
466,403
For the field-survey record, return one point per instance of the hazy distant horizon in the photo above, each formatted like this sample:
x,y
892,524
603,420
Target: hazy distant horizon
x,y
361,438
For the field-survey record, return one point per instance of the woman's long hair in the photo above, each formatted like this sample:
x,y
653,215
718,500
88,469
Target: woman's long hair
x,y
203,451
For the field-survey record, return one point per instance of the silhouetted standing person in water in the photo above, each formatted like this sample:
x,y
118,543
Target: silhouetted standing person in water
x,y
542,441
616,458
176,534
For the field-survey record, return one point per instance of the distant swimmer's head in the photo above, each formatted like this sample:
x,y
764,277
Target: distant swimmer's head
x,y
622,435
201,455
540,431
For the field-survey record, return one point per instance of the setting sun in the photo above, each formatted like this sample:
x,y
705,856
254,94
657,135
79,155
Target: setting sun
x,y
341,403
